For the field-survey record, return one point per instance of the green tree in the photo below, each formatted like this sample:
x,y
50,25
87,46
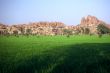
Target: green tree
x,y
22,30
86,31
103,29
15,32
28,32
67,32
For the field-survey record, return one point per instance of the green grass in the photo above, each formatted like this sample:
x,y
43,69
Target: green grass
x,y
55,54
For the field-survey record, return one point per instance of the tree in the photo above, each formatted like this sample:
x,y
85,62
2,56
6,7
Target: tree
x,y
22,30
67,32
81,30
86,31
28,32
103,29
99,35
15,32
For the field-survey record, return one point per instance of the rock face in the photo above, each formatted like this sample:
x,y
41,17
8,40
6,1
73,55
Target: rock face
x,y
3,29
91,22
87,25
37,28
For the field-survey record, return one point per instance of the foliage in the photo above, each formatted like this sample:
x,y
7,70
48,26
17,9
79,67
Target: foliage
x,y
15,32
103,29
28,31
86,31
67,32
57,54
22,30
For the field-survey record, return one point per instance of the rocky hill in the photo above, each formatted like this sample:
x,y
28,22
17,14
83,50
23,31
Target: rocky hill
x,y
36,28
91,22
87,25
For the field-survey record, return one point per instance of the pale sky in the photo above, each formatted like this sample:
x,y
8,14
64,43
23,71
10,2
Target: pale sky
x,y
69,12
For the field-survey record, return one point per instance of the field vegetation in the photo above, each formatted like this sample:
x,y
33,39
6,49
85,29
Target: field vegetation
x,y
55,54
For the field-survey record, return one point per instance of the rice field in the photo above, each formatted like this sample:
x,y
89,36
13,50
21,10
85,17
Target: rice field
x,y
55,54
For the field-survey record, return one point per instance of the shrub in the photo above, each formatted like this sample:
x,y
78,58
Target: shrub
x,y
67,32
103,29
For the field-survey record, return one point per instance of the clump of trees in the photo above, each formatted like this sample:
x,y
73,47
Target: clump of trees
x,y
67,32
15,32
86,31
28,32
102,29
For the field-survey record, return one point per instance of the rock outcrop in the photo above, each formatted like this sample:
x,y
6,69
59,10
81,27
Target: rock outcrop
x,y
87,25
91,22
3,29
38,28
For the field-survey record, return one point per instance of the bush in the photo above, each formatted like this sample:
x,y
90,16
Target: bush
x,y
86,31
103,29
67,32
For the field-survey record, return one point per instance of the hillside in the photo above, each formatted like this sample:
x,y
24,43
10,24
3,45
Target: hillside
x,y
54,28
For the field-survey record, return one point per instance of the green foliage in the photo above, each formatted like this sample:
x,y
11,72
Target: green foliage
x,y
57,54
100,35
103,29
28,31
67,32
86,31
15,33
22,30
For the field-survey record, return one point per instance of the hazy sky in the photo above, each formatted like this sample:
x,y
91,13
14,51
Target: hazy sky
x,y
68,11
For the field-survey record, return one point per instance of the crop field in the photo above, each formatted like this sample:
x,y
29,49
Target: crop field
x,y
55,54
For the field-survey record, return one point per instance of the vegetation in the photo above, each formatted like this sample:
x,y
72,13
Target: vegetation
x,y
103,29
67,32
15,32
28,31
55,54
87,31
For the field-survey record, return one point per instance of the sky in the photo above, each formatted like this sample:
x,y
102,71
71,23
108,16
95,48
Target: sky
x,y
69,12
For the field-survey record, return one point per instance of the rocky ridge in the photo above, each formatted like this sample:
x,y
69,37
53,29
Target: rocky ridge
x,y
53,28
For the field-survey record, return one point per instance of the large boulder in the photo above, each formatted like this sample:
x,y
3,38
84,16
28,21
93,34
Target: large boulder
x,y
91,22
